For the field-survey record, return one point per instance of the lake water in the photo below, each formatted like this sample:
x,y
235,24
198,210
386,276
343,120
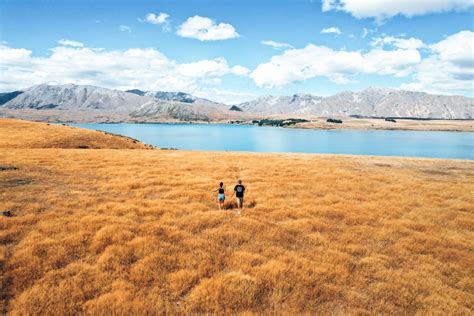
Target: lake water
x,y
459,145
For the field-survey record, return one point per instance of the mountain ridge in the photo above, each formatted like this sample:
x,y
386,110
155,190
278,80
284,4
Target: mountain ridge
x,y
371,102
96,103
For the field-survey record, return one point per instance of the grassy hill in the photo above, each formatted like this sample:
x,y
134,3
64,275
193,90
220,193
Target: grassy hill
x,y
138,231
26,134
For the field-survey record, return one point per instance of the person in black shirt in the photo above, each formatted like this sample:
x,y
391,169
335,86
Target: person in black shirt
x,y
220,195
239,190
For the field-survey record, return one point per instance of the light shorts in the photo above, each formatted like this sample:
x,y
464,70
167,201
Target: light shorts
x,y
220,197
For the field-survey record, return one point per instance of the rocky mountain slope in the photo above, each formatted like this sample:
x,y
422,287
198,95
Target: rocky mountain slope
x,y
72,102
371,102
174,96
73,97
89,103
295,104
173,110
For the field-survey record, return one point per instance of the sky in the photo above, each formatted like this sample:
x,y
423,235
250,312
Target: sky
x,y
234,51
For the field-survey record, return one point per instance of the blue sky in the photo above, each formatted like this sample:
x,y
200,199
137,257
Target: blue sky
x,y
214,48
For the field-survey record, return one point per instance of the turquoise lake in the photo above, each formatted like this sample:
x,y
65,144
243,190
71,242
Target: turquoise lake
x,y
432,144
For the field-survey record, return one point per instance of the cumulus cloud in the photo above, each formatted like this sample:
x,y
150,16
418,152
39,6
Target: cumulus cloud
x,y
206,29
132,68
450,67
295,65
385,9
125,28
157,19
66,42
399,42
333,30
160,19
276,45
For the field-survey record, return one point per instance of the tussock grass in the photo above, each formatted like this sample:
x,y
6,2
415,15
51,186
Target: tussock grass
x,y
26,134
138,232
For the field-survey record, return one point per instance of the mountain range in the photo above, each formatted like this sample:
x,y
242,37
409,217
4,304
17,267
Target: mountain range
x,y
83,103
371,102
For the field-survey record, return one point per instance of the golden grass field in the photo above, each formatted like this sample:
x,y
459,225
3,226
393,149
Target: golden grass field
x,y
137,231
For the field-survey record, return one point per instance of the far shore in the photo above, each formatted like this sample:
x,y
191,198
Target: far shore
x,y
321,123
412,124
400,124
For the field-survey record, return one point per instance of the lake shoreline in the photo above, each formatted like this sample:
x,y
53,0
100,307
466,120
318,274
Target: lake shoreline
x,y
321,124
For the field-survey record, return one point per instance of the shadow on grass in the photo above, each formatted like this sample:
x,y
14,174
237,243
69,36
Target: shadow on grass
x,y
14,182
233,205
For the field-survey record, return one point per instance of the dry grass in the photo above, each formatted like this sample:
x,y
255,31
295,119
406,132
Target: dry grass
x,y
138,232
26,134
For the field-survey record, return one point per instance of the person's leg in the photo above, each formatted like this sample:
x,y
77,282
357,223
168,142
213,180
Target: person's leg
x,y
238,202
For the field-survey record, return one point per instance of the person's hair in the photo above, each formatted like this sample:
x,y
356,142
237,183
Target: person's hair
x,y
221,184
239,181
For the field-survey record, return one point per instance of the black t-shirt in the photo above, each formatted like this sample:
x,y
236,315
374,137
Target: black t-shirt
x,y
239,190
221,190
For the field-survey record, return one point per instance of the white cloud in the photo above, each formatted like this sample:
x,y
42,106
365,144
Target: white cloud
x,y
457,49
295,65
450,67
276,45
66,42
385,9
205,29
132,68
160,19
402,43
366,31
329,30
157,19
125,28
240,70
